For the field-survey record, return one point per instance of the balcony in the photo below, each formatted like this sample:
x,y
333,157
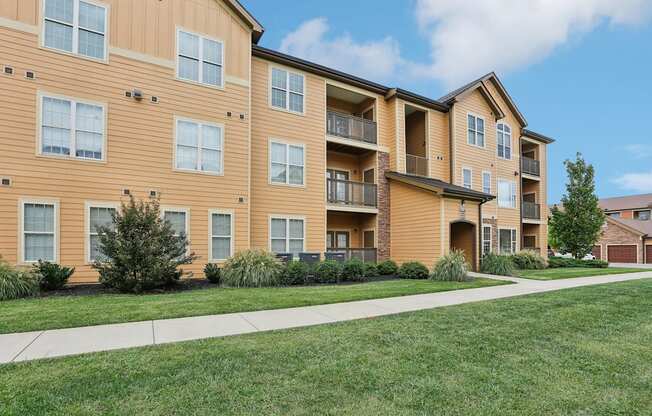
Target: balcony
x,y
367,255
531,211
530,166
416,165
351,127
351,194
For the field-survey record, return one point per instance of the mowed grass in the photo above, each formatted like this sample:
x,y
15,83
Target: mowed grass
x,y
73,311
584,351
571,272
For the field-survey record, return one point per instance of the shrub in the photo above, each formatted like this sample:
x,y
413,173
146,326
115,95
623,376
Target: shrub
x,y
413,270
497,264
387,268
213,273
558,262
529,260
295,273
139,250
451,268
15,284
252,268
353,270
328,271
370,270
51,275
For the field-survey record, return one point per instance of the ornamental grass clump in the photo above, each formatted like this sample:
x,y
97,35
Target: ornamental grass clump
x,y
497,264
252,268
16,284
452,267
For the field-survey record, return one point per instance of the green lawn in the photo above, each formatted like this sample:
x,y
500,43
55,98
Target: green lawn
x,y
570,272
585,351
65,312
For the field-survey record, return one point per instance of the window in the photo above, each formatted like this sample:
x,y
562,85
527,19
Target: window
x,y
75,26
98,216
200,59
287,91
221,241
507,241
475,127
287,235
614,214
506,194
486,239
286,163
642,215
467,178
199,147
486,182
70,128
504,138
178,219
39,223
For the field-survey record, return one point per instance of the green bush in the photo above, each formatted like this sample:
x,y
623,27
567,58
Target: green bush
x,y
413,270
529,260
252,268
370,270
139,250
387,268
213,273
328,271
15,284
497,264
295,273
559,262
353,271
51,275
451,268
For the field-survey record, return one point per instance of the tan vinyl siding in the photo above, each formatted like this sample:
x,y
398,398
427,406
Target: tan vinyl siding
x,y
439,146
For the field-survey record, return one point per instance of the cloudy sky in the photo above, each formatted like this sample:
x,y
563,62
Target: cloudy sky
x,y
578,69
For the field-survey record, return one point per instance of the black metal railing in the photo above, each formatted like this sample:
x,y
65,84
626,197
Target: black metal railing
x,y
416,165
351,127
530,166
531,210
360,194
367,255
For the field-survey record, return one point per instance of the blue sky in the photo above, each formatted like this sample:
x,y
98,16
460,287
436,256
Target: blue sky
x,y
580,70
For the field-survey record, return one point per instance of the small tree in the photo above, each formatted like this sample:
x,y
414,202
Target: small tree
x,y
576,227
139,251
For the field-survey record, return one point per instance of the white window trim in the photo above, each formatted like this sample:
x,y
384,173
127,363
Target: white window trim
x,y
511,148
41,95
484,130
513,242
287,164
87,224
491,232
201,57
513,196
177,119
75,31
287,230
484,173
210,233
287,92
21,226
634,212
470,170
186,211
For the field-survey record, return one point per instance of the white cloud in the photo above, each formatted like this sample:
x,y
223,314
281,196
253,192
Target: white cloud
x,y
638,182
639,151
466,38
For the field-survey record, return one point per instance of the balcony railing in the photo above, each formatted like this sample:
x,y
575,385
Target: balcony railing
x,y
531,166
531,211
416,165
367,255
349,193
351,127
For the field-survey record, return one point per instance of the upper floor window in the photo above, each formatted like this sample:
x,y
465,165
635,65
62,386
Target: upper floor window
x,y
486,182
200,59
506,194
287,90
642,215
614,214
467,178
287,162
75,26
71,128
475,127
504,139
199,147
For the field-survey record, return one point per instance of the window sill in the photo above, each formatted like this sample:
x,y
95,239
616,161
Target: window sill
x,y
198,172
284,110
287,185
200,84
71,158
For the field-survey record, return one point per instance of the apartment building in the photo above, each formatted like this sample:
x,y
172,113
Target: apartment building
x,y
244,147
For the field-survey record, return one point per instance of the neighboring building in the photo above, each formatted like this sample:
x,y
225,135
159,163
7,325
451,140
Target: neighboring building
x,y
245,147
627,233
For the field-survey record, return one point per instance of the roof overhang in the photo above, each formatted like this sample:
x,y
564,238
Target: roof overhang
x,y
537,136
626,227
438,187
257,29
416,99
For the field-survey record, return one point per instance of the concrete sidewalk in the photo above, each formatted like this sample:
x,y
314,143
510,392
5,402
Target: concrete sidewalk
x,y
60,342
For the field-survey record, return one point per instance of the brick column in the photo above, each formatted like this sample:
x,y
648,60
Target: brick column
x,y
384,237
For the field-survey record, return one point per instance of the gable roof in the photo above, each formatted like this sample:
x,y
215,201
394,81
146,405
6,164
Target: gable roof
x,y
243,13
626,202
537,136
641,228
438,186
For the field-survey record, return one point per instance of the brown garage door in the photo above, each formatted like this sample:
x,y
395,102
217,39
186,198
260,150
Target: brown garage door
x,y
648,254
597,252
622,254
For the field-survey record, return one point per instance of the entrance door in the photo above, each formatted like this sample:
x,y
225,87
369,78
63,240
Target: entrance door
x,y
462,237
369,192
338,239
337,189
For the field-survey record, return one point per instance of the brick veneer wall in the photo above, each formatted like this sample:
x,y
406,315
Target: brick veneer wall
x,y
494,234
614,235
384,237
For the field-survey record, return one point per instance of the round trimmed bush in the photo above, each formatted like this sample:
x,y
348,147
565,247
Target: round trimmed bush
x,y
353,271
51,275
370,270
295,273
413,270
213,273
451,268
387,268
529,260
328,271
252,268
497,265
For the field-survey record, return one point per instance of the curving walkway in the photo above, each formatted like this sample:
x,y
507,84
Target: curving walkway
x,y
61,342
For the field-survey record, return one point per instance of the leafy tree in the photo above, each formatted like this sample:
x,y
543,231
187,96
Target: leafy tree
x,y
575,228
139,251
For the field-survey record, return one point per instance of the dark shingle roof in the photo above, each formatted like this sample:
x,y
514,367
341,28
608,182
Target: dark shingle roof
x,y
448,189
626,202
463,88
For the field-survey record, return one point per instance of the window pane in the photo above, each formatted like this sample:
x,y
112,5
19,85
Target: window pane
x,y
221,248
296,246
508,153
279,172
211,137
296,102
503,194
212,51
58,36
90,118
296,228
91,44
95,253
210,161
279,98
279,153
89,145
100,217
60,10
188,68
187,133
505,241
187,157
471,137
39,218
296,175
279,79
480,125
221,224
278,228
188,45
178,221
471,122
278,246
91,17
56,126
480,139
39,247
212,74
296,83
296,155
